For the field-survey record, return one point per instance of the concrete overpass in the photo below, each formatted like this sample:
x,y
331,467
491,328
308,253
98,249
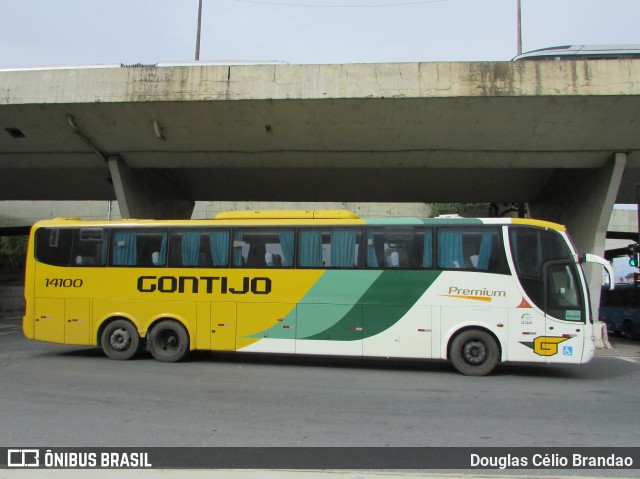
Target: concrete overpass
x,y
562,136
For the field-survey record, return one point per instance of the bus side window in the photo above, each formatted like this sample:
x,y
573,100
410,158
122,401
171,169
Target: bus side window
x,y
130,247
404,247
53,246
451,248
471,248
630,298
263,247
330,247
200,247
152,248
90,247
615,298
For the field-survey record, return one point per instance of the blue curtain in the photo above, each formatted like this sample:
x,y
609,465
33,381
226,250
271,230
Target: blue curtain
x,y
190,248
237,250
310,255
450,249
124,249
343,248
163,250
286,243
427,252
219,241
485,251
372,258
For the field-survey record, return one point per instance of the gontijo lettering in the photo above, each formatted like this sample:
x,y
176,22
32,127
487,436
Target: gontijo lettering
x,y
208,284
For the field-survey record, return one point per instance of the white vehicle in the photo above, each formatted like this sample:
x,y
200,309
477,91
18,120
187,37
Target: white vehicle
x,y
473,291
583,52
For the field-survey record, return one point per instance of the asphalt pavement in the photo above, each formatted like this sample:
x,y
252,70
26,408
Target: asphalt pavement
x,y
621,347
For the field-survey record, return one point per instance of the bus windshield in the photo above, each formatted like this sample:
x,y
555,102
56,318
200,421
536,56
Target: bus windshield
x,y
547,271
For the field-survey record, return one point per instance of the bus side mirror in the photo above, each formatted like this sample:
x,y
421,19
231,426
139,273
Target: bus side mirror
x,y
592,258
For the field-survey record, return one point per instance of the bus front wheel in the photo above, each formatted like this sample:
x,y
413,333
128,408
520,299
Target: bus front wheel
x,y
120,340
474,352
168,341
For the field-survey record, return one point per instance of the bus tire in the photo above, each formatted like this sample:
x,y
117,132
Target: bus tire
x,y
168,341
120,340
474,352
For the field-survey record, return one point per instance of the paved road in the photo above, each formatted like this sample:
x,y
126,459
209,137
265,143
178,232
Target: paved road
x,y
54,395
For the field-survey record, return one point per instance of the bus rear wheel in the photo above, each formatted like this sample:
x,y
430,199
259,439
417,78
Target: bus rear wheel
x,y
474,353
168,341
120,340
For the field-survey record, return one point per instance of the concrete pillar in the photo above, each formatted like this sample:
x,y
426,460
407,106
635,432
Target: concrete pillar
x,y
147,194
583,201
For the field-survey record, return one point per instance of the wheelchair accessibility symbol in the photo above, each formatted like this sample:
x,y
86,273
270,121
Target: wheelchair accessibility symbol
x,y
567,350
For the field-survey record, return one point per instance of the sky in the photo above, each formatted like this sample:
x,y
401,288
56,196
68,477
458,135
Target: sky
x,y
94,32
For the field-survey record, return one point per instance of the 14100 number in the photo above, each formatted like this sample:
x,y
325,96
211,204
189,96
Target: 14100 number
x,y
63,283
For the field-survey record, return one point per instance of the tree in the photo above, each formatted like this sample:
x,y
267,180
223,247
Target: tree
x,y
480,210
14,249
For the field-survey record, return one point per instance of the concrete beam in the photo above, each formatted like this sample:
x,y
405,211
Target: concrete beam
x,y
147,193
343,81
464,132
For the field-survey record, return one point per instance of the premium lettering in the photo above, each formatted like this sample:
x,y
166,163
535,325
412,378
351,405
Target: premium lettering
x,y
476,292
204,284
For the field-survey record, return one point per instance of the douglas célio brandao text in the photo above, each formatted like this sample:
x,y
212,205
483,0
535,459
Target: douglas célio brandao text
x,y
550,461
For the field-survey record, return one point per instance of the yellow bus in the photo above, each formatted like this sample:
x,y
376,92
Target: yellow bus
x,y
326,282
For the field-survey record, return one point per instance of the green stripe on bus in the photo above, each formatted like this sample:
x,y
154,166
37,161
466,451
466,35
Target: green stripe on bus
x,y
327,302
399,288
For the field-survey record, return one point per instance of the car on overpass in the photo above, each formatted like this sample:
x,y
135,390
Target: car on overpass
x,y
583,52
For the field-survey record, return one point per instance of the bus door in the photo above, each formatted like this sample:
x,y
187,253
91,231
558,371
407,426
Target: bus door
x,y
565,313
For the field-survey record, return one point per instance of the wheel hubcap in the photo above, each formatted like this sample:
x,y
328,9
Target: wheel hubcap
x,y
169,341
474,352
120,339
